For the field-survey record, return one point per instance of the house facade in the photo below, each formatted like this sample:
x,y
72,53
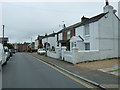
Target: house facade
x,y
101,32
119,9
93,38
21,47
65,34
38,42
50,40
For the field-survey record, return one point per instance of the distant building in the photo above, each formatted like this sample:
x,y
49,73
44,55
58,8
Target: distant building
x,y
5,40
38,42
50,40
21,47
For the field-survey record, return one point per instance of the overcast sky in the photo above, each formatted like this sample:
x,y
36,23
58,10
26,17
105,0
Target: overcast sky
x,y
24,21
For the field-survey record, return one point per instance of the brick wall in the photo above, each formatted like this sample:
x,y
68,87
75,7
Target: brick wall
x,y
72,32
64,34
40,44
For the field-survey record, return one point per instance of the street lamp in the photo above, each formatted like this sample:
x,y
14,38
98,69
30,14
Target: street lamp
x,y
3,35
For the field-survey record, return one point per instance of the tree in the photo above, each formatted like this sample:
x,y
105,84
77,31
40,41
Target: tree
x,y
10,46
68,44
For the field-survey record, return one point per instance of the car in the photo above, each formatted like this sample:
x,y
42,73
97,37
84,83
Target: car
x,y
11,53
3,55
7,53
41,50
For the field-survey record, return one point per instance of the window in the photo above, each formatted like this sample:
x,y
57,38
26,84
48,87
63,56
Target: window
x,y
60,36
68,35
73,44
87,46
87,31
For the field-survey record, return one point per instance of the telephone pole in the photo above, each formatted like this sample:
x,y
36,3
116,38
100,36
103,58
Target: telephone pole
x,y
3,34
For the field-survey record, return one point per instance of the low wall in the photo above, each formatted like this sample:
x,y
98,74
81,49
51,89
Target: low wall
x,y
81,56
52,54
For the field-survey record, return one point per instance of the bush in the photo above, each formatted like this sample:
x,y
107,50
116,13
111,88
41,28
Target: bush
x,y
43,54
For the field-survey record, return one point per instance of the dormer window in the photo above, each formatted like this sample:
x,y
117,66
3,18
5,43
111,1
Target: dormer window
x,y
87,30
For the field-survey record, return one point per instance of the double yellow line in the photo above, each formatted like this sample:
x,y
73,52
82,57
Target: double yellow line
x,y
71,77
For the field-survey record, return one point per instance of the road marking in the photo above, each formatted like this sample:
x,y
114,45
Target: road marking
x,y
71,77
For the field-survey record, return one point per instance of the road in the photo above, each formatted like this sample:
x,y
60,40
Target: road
x,y
24,71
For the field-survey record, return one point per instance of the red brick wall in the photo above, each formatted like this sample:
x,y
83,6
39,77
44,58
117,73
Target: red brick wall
x,y
64,36
72,32
40,44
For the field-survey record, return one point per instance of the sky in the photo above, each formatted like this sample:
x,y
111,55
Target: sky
x,y
26,20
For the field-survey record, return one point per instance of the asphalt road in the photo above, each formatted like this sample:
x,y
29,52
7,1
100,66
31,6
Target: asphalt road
x,y
24,71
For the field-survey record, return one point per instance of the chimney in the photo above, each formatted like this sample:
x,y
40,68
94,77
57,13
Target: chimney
x,y
45,34
84,19
108,8
107,3
64,26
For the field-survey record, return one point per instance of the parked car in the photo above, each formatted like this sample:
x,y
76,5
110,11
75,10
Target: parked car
x,y
11,53
1,52
7,53
3,55
41,50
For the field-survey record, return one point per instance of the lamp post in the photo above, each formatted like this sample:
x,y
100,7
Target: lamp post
x,y
3,35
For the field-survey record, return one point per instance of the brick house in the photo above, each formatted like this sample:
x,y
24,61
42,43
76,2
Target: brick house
x,y
38,42
21,47
65,34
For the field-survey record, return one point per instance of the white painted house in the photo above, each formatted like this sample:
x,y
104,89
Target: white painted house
x,y
95,38
51,39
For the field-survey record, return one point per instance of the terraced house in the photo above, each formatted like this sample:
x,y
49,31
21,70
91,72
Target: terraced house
x,y
92,38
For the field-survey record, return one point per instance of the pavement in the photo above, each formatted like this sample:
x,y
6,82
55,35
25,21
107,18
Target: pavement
x,y
104,79
112,70
25,71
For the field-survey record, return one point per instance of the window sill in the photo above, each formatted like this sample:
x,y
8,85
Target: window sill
x,y
87,35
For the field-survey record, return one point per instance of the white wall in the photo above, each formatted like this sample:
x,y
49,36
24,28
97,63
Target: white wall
x,y
52,54
52,41
36,44
0,19
119,9
108,36
44,40
92,38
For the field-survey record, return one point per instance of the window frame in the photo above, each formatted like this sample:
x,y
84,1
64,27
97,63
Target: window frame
x,y
87,30
87,47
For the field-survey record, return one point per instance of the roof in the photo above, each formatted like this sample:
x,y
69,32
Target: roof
x,y
51,35
40,37
76,38
87,21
